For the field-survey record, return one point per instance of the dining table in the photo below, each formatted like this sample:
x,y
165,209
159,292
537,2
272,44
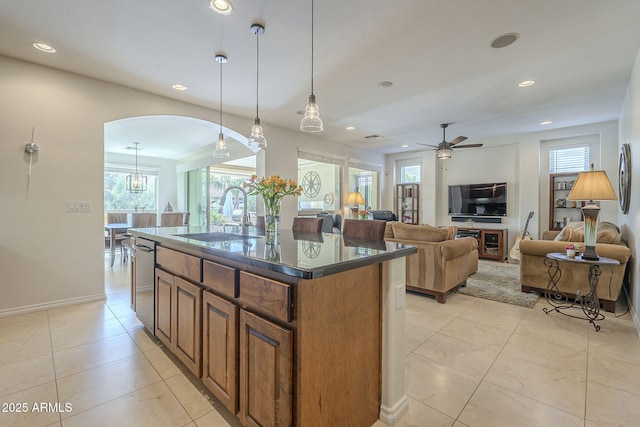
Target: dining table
x,y
113,230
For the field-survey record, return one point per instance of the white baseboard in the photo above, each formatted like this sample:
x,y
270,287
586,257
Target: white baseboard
x,y
52,304
634,315
391,416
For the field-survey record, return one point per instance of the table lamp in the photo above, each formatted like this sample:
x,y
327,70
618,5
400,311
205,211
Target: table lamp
x,y
355,198
590,186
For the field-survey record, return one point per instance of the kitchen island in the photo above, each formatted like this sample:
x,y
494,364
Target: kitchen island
x,y
305,332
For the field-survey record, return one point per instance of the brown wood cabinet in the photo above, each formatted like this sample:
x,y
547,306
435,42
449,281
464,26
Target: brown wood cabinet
x,y
492,243
220,349
254,340
178,318
187,325
266,395
164,307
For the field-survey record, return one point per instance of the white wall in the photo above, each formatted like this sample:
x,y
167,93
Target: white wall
x,y
629,130
47,255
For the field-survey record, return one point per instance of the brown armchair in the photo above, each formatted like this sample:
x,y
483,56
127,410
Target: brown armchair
x,y
442,263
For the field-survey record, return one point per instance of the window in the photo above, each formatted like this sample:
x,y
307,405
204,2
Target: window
x,y
569,159
364,179
409,171
116,196
205,189
320,179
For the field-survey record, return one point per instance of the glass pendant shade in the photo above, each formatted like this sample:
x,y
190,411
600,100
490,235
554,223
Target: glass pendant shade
x,y
221,147
221,150
257,135
444,153
311,122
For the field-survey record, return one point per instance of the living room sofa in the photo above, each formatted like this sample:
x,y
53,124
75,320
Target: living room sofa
x,y
442,262
534,274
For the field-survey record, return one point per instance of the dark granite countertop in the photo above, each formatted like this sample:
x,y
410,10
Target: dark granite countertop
x,y
306,256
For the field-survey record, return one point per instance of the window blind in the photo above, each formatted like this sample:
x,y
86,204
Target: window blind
x,y
569,159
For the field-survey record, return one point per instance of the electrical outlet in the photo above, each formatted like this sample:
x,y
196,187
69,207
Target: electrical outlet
x,y
400,296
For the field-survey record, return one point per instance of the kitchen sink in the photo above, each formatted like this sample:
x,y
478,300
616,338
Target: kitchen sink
x,y
216,236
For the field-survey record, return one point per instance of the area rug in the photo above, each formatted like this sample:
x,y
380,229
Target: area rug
x,y
498,282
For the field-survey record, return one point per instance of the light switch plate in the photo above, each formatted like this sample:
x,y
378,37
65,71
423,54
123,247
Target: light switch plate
x,y
78,206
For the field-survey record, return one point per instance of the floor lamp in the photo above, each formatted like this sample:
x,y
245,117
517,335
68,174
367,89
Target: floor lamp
x,y
590,186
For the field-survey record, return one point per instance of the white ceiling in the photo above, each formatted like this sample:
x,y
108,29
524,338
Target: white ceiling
x,y
437,54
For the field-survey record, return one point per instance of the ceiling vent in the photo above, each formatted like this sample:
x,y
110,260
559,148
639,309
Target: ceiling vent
x,y
372,136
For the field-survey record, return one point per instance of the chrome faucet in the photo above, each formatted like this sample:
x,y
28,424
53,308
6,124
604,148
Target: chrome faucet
x,y
246,221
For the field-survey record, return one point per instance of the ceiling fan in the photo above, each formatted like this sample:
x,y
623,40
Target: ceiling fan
x,y
444,149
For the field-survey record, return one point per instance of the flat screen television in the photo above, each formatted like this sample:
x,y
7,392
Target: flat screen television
x,y
478,199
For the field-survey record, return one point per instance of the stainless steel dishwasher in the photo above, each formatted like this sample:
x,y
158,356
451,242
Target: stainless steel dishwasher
x,y
144,251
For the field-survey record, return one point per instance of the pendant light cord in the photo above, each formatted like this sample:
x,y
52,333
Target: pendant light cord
x,y
220,97
257,68
312,47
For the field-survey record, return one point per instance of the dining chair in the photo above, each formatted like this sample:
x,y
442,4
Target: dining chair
x,y
171,219
144,220
307,225
118,218
371,229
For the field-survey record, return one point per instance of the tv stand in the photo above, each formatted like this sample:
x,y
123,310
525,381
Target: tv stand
x,y
492,243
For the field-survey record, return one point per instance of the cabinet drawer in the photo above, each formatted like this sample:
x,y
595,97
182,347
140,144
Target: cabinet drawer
x,y
181,264
220,278
265,295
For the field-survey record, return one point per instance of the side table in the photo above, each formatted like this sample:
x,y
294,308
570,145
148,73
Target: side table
x,y
589,303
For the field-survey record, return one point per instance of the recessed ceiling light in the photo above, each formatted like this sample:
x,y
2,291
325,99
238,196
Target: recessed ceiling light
x,y
505,40
349,128
223,7
404,146
526,83
385,85
546,122
43,47
178,86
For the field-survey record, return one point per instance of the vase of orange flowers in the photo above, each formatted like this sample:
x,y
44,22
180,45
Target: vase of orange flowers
x,y
272,190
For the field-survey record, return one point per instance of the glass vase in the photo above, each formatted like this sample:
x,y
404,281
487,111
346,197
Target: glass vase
x,y
272,220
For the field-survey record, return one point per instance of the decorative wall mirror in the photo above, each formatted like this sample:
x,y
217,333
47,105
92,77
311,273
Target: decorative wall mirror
x,y
624,177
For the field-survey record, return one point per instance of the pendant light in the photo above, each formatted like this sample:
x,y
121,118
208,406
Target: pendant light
x,y
257,133
221,150
311,122
136,182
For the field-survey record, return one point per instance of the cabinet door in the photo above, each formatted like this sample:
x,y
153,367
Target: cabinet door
x,y
187,333
220,349
265,372
164,306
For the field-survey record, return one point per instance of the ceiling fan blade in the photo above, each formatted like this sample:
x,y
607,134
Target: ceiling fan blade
x,y
427,145
458,140
469,146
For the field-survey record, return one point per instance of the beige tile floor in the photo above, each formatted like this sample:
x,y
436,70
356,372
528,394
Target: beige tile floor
x,y
469,362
